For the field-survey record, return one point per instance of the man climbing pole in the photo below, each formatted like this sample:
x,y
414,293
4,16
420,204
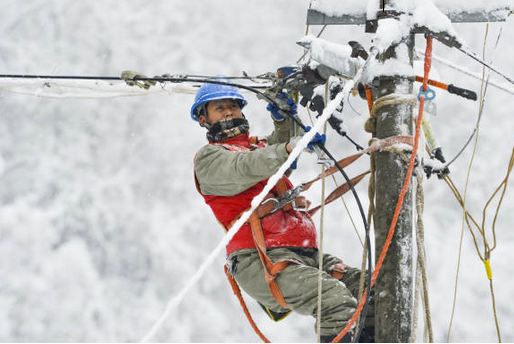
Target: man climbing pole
x,y
274,255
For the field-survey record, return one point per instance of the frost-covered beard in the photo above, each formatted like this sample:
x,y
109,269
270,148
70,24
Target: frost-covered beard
x,y
227,129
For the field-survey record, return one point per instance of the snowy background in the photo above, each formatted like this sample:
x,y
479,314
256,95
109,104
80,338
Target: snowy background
x,y
100,222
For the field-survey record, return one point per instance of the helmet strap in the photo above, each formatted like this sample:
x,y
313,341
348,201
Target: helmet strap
x,y
203,111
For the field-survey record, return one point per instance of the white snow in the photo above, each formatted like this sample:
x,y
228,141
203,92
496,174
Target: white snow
x,y
428,15
390,32
335,56
398,66
100,222
336,7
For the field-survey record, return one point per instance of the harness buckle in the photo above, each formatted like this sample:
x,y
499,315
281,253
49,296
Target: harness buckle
x,y
288,197
275,202
285,198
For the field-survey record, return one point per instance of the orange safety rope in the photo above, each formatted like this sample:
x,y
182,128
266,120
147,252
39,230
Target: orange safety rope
x,y
369,97
428,62
237,291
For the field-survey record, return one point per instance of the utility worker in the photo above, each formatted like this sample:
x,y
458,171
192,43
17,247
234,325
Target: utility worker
x,y
229,172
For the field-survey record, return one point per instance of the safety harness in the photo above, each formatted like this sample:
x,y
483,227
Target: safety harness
x,y
286,199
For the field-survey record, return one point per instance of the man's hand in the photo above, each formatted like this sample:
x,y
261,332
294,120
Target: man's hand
x,y
318,138
275,111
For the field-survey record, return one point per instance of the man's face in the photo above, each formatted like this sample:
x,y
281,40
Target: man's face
x,y
219,110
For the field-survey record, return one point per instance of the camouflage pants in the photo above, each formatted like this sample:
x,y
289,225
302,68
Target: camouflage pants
x,y
299,285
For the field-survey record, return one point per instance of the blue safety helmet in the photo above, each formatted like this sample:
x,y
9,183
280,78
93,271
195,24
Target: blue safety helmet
x,y
209,92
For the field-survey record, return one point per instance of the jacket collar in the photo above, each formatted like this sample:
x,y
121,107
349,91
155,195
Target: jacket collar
x,y
240,140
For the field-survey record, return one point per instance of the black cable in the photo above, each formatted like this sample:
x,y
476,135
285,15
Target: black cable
x,y
368,242
173,79
364,220
359,147
480,111
482,62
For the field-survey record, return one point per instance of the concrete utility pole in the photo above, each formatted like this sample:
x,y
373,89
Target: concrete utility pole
x,y
394,286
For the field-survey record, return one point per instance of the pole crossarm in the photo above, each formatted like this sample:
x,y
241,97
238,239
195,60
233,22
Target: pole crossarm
x,y
315,17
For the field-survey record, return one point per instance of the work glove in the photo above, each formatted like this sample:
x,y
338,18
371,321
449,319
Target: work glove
x,y
129,75
318,138
276,115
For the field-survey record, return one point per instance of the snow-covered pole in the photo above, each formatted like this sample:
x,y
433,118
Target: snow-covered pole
x,y
393,289
394,302
394,286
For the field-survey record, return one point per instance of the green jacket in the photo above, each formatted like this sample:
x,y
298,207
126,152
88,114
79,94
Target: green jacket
x,y
227,173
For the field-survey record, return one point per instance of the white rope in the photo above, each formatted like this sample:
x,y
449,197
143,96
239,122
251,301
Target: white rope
x,y
420,235
88,89
320,244
307,137
320,255
85,89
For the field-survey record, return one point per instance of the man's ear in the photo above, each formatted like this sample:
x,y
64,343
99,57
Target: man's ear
x,y
202,120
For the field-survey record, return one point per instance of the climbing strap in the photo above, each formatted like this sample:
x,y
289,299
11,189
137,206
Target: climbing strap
x,y
338,192
270,269
342,189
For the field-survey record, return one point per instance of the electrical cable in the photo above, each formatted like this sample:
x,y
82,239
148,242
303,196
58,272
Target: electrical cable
x,y
351,106
160,79
477,125
361,210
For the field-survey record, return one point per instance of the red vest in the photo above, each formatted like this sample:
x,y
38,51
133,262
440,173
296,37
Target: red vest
x,y
282,228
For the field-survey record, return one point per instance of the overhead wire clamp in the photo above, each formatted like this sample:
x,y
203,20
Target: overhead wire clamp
x,y
323,159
